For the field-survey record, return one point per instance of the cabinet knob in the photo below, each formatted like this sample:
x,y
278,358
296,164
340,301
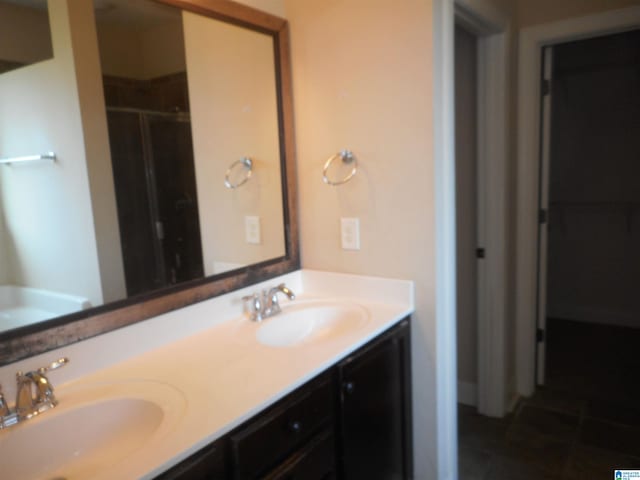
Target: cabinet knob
x,y
295,426
349,387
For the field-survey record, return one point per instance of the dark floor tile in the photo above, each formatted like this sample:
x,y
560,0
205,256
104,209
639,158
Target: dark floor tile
x,y
467,410
539,452
482,433
503,468
565,402
593,463
582,425
610,436
570,382
473,464
613,412
539,421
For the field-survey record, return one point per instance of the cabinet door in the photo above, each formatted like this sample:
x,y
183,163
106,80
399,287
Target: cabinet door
x,y
375,409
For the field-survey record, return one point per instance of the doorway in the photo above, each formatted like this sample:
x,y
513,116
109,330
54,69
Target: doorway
x,y
590,187
532,41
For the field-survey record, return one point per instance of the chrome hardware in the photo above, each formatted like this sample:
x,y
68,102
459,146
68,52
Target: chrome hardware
x,y
247,165
272,306
34,395
4,408
28,158
253,307
265,305
348,158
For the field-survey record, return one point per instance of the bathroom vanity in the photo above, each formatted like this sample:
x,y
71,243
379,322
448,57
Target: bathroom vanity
x,y
352,421
320,390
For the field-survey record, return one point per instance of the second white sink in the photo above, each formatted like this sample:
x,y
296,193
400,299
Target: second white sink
x,y
306,322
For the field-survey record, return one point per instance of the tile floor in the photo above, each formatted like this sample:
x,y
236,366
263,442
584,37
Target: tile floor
x,y
584,423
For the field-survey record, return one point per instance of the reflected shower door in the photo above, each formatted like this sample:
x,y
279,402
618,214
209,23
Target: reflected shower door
x,y
176,196
154,177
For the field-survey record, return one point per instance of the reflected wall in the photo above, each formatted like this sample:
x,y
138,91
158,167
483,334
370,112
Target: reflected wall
x,y
63,224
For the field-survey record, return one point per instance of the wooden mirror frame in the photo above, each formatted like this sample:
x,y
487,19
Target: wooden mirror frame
x,y
34,339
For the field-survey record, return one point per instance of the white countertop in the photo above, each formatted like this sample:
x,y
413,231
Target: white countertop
x,y
208,353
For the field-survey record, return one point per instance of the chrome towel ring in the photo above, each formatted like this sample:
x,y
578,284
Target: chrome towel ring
x,y
347,158
247,164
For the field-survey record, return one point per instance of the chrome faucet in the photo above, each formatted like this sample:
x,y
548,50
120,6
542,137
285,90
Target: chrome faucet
x,y
265,304
4,408
34,395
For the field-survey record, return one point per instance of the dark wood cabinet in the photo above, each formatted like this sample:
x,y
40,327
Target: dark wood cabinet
x,y
268,439
352,422
374,421
315,461
207,464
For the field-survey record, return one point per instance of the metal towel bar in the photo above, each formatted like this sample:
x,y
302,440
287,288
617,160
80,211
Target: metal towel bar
x,y
28,158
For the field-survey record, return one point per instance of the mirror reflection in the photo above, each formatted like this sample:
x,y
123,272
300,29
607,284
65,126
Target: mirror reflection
x,y
25,34
146,108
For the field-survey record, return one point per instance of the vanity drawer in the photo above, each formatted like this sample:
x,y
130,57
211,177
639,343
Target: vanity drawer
x,y
265,442
315,461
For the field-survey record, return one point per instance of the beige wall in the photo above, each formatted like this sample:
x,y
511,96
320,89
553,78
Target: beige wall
x,y
235,116
544,11
362,75
24,34
47,206
274,7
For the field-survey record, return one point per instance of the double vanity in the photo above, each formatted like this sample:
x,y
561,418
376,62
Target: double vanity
x,y
318,390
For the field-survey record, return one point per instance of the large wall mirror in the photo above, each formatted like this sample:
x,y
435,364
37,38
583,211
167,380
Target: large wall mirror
x,y
172,181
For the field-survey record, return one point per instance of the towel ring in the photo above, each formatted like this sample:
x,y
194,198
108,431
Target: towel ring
x,y
247,163
347,157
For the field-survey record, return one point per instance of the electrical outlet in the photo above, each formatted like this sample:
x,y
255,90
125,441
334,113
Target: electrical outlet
x,y
252,230
350,233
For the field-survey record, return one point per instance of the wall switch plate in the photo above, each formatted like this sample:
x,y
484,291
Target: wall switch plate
x,y
350,233
252,230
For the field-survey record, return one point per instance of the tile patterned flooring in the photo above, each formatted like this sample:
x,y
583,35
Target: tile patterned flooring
x,y
584,423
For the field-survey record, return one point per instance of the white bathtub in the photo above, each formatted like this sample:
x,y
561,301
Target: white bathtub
x,y
21,306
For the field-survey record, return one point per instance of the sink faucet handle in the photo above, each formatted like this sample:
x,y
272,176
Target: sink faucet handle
x,y
253,306
30,403
61,362
4,408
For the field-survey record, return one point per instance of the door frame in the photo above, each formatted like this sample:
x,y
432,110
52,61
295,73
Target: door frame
x,y
532,40
492,29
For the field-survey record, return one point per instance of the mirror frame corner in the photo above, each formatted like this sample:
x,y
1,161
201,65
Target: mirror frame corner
x,y
32,340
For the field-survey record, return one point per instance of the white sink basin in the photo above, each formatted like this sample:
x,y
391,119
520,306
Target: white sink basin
x,y
304,323
90,430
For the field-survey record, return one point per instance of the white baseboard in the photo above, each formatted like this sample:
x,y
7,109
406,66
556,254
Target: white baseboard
x,y
467,393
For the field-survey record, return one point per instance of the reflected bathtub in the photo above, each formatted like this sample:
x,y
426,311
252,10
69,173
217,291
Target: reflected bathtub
x,y
22,306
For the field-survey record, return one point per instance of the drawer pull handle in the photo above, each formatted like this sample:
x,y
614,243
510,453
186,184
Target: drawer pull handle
x,y
295,426
349,387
